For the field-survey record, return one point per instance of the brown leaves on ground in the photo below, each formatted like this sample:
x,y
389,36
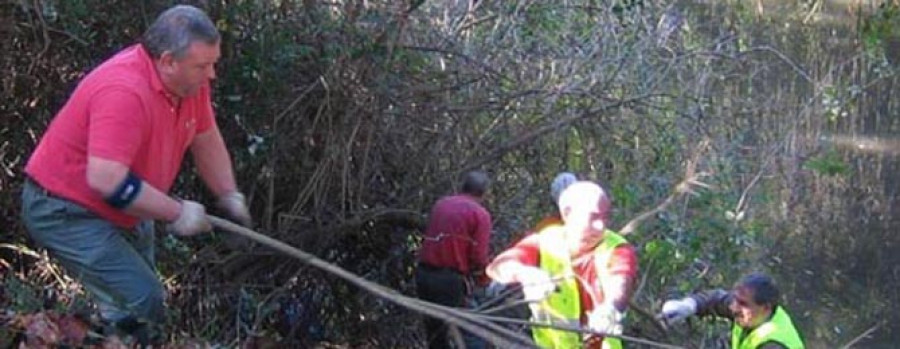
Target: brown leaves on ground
x,y
46,329
49,330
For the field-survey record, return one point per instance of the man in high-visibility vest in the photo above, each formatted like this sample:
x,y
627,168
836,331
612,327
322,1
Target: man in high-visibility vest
x,y
578,274
760,322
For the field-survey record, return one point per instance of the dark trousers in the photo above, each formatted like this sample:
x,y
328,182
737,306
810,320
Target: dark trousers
x,y
114,264
445,287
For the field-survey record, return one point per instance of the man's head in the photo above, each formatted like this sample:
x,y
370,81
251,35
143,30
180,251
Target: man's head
x,y
184,43
584,207
562,181
755,297
475,183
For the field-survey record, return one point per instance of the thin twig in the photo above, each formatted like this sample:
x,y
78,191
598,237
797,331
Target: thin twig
x,y
745,194
69,35
659,325
861,336
39,12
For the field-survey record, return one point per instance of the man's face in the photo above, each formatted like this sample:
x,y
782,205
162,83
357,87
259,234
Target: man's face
x,y
185,75
586,223
747,313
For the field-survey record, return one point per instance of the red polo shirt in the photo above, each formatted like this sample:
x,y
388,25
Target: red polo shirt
x,y
458,234
121,112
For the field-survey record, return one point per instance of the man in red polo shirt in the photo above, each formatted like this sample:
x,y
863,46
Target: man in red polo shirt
x,y
454,252
579,273
102,170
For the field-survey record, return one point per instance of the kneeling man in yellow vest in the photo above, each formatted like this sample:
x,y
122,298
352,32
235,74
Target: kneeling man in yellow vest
x,y
578,274
759,321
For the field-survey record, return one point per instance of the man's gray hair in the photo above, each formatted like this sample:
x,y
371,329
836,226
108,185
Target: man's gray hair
x,y
176,29
562,181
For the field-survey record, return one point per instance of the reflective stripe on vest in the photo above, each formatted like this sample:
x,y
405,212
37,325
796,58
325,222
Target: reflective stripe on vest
x,y
779,329
563,307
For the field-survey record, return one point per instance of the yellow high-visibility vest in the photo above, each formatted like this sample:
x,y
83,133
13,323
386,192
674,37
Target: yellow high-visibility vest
x,y
564,305
779,329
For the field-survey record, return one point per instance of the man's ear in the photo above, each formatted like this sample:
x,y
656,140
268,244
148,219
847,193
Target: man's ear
x,y
564,212
166,61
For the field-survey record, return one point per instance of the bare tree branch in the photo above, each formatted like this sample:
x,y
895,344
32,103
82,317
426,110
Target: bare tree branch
x,y
691,178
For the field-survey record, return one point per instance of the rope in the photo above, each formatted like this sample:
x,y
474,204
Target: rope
x,y
494,333
484,326
580,330
490,307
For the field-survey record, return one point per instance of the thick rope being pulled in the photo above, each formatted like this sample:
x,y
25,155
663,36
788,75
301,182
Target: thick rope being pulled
x,y
500,303
480,324
570,328
498,335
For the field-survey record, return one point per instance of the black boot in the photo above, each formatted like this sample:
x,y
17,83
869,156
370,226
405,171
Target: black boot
x,y
141,333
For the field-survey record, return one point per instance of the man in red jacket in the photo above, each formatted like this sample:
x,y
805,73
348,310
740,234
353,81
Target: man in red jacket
x,y
101,173
454,251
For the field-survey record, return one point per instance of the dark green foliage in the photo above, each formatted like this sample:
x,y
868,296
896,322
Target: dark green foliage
x,y
828,164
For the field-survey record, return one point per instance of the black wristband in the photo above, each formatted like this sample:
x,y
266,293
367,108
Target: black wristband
x,y
126,193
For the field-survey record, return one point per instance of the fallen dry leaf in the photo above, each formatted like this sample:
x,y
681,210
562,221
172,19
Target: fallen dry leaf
x,y
73,329
113,342
41,330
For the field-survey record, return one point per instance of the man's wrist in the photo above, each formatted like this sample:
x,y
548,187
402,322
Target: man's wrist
x,y
513,271
173,210
230,193
692,304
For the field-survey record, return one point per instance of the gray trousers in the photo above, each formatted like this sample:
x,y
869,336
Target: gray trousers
x,y
115,265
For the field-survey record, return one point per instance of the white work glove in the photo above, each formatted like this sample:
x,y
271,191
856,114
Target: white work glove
x,y
536,284
677,310
606,319
235,206
191,221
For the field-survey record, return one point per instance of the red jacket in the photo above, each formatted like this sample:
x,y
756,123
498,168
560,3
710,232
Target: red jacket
x,y
458,234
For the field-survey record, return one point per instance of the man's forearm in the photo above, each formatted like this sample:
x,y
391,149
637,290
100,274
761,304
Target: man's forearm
x,y
213,162
504,271
153,204
617,290
713,302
